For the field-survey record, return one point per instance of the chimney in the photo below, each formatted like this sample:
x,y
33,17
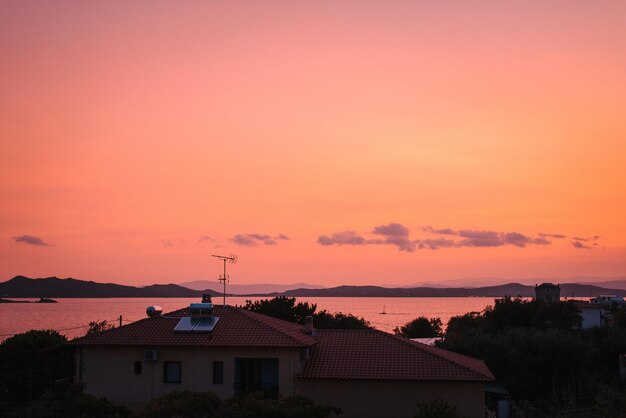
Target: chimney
x,y
206,298
308,325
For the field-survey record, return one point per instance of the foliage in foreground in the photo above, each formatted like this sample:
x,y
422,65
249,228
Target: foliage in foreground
x,y
98,326
287,308
30,363
207,405
437,408
70,403
420,327
540,354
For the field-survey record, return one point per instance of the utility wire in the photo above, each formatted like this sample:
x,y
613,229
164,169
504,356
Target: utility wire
x,y
63,329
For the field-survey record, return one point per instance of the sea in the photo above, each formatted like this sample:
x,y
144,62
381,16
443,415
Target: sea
x,y
71,316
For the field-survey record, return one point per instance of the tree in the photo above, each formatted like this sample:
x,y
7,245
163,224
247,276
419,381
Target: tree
x,y
287,308
338,320
420,327
31,362
98,326
282,307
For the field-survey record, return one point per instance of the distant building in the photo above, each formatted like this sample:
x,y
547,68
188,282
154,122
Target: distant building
x,y
593,314
607,300
229,350
548,292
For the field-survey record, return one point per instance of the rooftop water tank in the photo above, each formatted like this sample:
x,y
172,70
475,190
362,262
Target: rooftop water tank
x,y
154,311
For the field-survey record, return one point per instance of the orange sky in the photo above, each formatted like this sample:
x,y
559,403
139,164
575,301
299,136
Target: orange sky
x,y
131,130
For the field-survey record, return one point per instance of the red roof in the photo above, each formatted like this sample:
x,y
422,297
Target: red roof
x,y
236,327
372,354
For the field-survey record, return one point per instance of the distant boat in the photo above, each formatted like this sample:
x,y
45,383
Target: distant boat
x,y
383,312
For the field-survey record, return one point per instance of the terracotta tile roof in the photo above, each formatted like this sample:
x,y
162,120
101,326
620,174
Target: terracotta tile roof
x,y
372,354
236,327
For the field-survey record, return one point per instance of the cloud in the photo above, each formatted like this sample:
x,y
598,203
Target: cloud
x,y
166,243
580,245
395,234
244,240
487,238
205,238
342,238
393,229
252,239
260,237
443,231
556,236
586,239
434,244
31,240
398,235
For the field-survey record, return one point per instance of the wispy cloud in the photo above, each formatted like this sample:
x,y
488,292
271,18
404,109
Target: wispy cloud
x,y
342,238
206,238
31,240
585,243
398,235
252,239
580,245
555,236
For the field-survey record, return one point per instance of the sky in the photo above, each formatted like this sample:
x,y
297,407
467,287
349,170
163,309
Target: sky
x,y
326,142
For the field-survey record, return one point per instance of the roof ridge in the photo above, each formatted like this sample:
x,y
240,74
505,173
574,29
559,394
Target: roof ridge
x,y
255,316
435,351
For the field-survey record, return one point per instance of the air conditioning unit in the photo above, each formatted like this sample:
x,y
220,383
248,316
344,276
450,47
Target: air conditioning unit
x,y
152,355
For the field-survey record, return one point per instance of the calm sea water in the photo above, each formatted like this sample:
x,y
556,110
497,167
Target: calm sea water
x,y
71,316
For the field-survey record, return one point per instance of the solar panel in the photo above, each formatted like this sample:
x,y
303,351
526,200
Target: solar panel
x,y
205,324
184,324
189,324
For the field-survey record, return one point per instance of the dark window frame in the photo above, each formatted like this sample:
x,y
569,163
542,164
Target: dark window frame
x,y
166,378
138,367
218,372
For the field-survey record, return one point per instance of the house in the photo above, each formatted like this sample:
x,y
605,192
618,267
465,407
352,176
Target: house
x,y
229,350
607,300
548,292
593,314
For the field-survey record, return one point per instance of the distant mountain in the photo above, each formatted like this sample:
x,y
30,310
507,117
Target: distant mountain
x,y
618,282
513,289
248,289
615,284
53,287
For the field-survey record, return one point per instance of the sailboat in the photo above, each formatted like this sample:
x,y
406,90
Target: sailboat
x,y
383,312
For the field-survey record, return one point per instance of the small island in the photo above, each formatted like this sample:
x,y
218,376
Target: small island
x,y
41,300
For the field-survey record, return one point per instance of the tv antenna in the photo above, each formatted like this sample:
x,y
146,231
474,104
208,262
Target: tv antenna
x,y
232,259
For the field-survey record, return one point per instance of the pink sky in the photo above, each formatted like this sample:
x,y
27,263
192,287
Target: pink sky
x,y
131,130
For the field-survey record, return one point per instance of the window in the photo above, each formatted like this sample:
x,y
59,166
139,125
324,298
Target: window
x,y
218,372
137,367
172,371
256,374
